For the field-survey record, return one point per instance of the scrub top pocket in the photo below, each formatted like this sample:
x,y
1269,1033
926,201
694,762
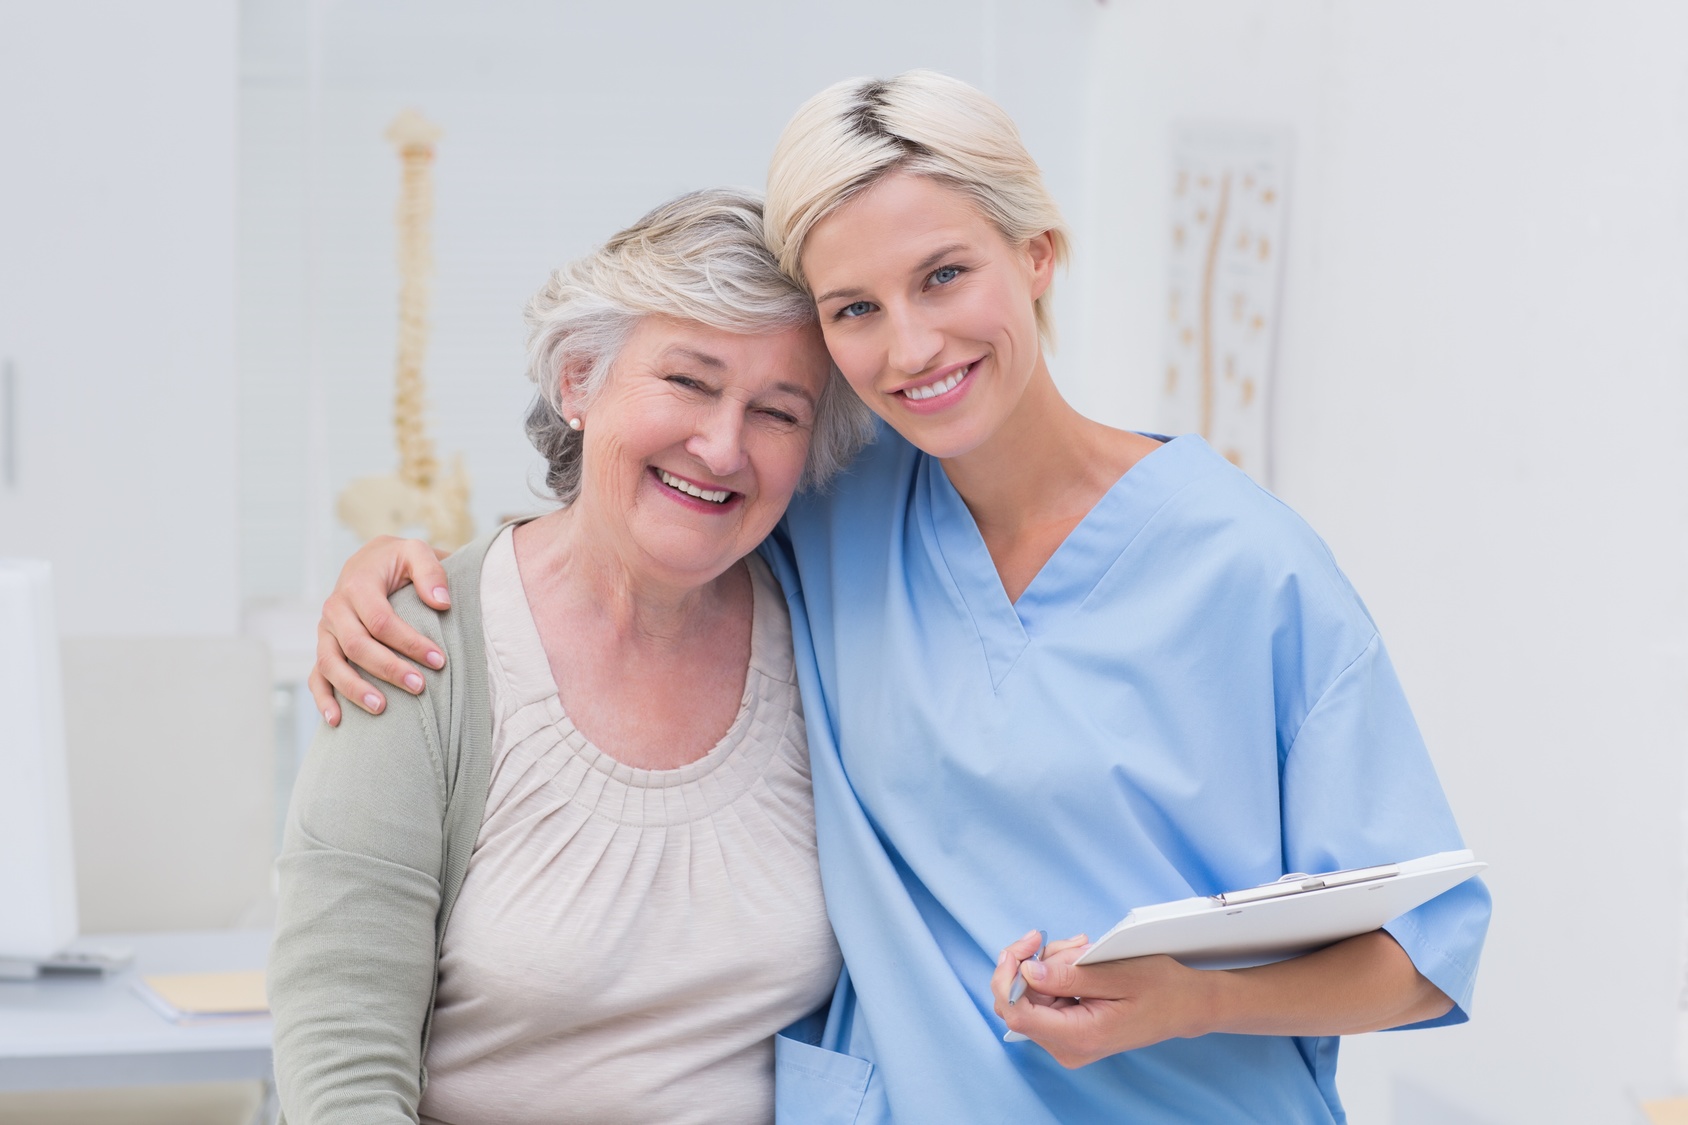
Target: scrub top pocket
x,y
814,1086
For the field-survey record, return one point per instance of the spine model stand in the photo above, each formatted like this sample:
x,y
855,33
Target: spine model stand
x,y
418,495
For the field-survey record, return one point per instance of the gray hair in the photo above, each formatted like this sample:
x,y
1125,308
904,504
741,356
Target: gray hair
x,y
702,258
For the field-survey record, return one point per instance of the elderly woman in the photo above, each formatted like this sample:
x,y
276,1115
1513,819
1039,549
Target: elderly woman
x,y
576,880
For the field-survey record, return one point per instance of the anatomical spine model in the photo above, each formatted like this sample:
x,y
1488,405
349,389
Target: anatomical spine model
x,y
418,495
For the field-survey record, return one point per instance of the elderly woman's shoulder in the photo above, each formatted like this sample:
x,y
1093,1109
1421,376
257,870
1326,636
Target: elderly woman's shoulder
x,y
418,614
463,578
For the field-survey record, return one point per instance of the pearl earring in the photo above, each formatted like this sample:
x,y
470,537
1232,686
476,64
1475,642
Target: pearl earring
x,y
574,423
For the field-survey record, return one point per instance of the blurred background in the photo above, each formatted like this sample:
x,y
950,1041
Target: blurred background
x,y
1475,386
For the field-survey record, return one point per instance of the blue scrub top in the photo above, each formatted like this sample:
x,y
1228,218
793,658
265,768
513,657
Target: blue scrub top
x,y
1189,698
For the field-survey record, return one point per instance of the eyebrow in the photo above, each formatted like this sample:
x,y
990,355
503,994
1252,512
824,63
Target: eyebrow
x,y
922,266
696,356
794,389
939,255
719,364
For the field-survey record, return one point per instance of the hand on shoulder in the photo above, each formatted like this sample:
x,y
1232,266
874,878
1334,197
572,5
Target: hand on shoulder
x,y
358,625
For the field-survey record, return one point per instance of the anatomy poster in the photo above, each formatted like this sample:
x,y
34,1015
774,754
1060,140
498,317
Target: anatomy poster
x,y
1226,226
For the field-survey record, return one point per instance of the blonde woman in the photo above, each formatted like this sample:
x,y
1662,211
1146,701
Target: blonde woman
x,y
1054,671
551,889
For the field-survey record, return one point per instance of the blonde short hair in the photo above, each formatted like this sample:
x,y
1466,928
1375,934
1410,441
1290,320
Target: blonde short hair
x,y
703,258
848,136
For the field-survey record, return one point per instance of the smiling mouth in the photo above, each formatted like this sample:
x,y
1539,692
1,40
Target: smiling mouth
x,y
942,386
697,492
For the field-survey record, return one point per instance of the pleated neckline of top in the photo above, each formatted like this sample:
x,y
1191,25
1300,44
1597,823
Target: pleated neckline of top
x,y
629,794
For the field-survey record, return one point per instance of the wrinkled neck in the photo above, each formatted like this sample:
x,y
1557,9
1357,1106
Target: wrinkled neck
x,y
573,557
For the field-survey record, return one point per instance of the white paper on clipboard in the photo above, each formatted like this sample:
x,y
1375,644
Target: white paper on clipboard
x,y
1295,915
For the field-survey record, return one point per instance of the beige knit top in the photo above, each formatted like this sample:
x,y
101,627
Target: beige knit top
x,y
627,941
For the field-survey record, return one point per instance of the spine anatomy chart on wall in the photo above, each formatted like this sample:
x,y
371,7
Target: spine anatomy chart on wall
x,y
419,495
1226,226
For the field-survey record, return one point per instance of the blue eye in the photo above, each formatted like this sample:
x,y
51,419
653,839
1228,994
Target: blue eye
x,y
945,274
859,308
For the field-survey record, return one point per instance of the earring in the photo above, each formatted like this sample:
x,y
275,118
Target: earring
x,y
574,423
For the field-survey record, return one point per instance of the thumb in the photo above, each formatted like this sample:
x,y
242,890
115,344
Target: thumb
x,y
1054,978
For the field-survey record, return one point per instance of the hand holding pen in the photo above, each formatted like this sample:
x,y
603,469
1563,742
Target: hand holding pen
x,y
1031,949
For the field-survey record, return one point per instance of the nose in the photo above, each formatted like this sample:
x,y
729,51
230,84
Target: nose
x,y
914,342
718,439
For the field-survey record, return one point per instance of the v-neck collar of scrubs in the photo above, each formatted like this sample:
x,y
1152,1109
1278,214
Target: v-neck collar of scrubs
x,y
1059,589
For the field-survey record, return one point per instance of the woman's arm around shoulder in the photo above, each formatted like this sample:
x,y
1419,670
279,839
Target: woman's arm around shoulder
x,y
360,624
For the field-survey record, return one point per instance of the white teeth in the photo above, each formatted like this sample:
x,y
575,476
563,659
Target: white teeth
x,y
690,489
933,390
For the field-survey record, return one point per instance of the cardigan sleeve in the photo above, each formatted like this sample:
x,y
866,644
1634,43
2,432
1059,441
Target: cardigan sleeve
x,y
352,968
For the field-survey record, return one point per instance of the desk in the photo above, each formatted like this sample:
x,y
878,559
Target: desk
x,y
69,1031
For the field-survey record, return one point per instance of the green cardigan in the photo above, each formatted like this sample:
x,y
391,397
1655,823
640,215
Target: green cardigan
x,y
384,817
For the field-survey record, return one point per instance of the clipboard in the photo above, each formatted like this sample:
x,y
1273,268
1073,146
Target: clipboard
x,y
1273,922
1295,915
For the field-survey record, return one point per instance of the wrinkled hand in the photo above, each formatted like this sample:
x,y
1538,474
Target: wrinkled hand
x,y
359,625
1083,1013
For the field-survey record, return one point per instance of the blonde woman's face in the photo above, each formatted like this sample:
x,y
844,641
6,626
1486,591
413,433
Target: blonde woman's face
x,y
697,441
928,310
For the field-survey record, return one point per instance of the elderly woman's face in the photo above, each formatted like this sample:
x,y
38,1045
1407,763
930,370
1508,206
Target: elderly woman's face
x,y
697,441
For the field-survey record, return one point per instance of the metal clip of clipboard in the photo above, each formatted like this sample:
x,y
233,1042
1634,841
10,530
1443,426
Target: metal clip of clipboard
x,y
1300,884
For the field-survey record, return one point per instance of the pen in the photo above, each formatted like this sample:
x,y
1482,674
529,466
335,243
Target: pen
x,y
1019,988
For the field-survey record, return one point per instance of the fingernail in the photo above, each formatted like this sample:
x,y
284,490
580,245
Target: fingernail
x,y
1031,934
441,594
435,660
372,701
1034,970
1002,959
413,681
328,717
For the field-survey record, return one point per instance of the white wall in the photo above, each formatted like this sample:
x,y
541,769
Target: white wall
x,y
563,123
117,125
1481,403
173,821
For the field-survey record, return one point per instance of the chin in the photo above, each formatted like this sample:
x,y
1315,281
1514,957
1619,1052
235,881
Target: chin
x,y
682,558
943,438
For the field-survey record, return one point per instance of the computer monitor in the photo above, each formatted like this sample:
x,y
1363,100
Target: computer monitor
x,y
37,872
